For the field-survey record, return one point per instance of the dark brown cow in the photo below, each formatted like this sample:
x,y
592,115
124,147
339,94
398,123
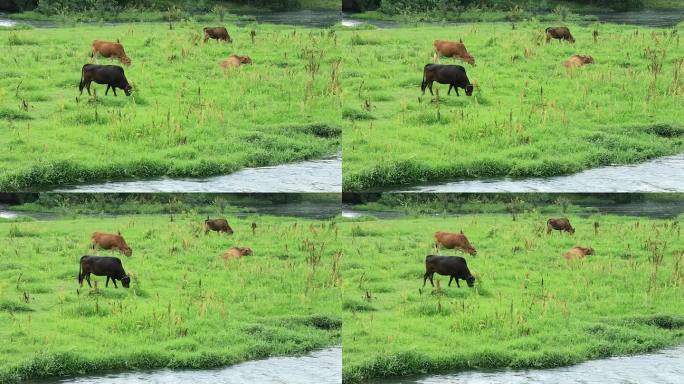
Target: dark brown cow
x,y
217,33
452,241
235,253
218,225
112,75
453,49
110,241
562,224
454,75
453,266
559,33
102,266
578,253
111,50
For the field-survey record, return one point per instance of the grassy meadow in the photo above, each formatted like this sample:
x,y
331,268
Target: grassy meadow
x,y
528,116
186,117
185,307
529,307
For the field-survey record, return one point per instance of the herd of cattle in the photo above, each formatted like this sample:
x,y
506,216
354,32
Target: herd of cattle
x,y
112,268
455,75
113,75
456,267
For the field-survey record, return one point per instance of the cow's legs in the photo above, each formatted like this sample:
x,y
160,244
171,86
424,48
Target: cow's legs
x,y
87,276
114,89
88,87
114,281
449,91
107,90
451,278
457,284
430,86
456,89
428,275
107,282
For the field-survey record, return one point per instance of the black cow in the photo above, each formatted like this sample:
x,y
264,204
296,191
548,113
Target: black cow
x,y
102,266
453,266
454,75
112,75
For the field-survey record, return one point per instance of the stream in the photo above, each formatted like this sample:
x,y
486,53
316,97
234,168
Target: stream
x,y
320,367
663,367
663,174
323,175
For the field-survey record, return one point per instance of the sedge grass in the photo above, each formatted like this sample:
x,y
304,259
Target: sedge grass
x,y
528,116
529,307
185,307
186,117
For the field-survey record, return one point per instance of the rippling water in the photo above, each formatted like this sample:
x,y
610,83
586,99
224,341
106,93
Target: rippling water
x,y
307,176
664,174
665,367
320,367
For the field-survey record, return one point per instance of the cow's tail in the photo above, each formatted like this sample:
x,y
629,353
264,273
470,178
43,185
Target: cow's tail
x,y
80,270
82,83
422,84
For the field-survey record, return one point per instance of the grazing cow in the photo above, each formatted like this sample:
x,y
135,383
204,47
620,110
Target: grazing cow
x,y
110,241
236,252
102,266
453,49
453,266
454,75
218,225
578,61
560,33
217,33
578,253
452,241
110,50
235,61
112,75
561,224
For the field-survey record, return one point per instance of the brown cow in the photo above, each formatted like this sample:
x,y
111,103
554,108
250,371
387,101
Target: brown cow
x,y
217,33
453,240
234,61
111,50
562,224
578,61
453,49
110,241
578,253
218,225
560,33
235,253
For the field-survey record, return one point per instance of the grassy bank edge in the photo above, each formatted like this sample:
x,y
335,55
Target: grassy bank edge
x,y
408,173
51,174
415,363
72,364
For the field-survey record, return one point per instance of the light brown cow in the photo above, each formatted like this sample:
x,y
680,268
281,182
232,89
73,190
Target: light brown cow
x,y
453,240
578,61
578,253
110,50
235,253
234,61
456,50
110,241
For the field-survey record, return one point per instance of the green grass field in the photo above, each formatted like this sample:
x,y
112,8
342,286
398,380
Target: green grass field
x,y
184,308
528,117
529,307
186,116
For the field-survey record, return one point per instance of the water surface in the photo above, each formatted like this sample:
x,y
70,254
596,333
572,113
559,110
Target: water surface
x,y
320,367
